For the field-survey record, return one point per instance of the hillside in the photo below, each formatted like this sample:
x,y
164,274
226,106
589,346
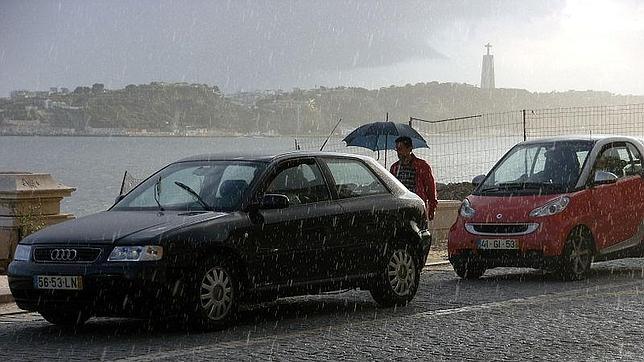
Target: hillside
x,y
180,106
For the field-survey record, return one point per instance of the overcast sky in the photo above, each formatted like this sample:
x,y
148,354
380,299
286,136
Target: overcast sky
x,y
246,45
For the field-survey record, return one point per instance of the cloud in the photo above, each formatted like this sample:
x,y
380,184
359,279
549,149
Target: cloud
x,y
257,44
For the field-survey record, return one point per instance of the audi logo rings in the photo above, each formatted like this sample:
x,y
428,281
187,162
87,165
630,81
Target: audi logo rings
x,y
63,254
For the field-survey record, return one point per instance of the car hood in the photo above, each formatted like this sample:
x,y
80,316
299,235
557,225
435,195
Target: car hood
x,y
502,209
111,226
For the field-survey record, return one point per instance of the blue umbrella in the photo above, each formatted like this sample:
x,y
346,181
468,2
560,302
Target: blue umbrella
x,y
378,136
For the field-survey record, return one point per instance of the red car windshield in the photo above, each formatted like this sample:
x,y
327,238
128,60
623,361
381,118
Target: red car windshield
x,y
538,168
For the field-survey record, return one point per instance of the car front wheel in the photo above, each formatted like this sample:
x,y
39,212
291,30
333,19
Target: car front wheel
x,y
577,255
217,295
398,281
467,269
66,318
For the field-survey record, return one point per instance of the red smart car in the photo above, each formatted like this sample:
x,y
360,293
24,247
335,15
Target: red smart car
x,y
556,203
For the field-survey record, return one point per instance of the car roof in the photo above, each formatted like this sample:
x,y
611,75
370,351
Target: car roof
x,y
266,156
593,138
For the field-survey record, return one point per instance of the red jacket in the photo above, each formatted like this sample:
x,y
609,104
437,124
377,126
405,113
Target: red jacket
x,y
425,185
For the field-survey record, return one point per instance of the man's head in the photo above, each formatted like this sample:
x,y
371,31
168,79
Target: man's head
x,y
403,147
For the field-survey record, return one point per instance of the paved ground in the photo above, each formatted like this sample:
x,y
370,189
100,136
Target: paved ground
x,y
510,314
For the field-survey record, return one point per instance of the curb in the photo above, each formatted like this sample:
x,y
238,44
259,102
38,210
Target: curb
x,y
438,263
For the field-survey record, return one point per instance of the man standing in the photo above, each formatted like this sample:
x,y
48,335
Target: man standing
x,y
415,174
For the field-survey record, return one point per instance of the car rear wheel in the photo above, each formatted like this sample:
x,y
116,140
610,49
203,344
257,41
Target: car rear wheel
x,y
577,255
217,295
466,269
398,281
66,318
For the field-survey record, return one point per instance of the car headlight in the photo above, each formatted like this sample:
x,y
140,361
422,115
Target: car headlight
x,y
22,253
136,253
466,209
552,207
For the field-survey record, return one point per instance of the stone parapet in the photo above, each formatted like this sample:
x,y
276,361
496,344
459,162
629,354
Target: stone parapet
x,y
28,202
444,217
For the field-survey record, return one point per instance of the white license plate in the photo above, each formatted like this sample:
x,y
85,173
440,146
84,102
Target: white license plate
x,y
62,282
495,244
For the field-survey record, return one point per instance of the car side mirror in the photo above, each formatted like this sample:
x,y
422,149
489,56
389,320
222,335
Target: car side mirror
x,y
274,201
477,180
603,178
118,198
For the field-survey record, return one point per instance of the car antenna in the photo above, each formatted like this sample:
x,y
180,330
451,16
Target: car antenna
x,y
330,134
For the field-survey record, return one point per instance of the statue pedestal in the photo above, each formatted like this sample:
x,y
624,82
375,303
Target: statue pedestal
x,y
28,202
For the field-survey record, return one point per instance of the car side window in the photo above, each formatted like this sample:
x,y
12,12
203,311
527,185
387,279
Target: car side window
x,y
613,159
302,184
635,168
353,178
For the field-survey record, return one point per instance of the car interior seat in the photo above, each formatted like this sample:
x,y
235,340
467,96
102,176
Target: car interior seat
x,y
292,183
613,162
562,166
231,192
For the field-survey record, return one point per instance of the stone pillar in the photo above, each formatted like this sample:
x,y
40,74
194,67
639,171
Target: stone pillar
x,y
28,202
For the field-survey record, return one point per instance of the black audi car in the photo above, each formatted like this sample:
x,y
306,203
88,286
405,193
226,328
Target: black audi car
x,y
207,233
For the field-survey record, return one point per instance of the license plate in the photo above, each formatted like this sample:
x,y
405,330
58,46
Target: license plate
x,y
495,244
59,282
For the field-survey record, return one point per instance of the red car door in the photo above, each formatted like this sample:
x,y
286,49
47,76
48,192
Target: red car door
x,y
636,169
616,218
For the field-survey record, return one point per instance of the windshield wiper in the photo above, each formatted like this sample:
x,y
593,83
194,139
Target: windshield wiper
x,y
157,188
195,195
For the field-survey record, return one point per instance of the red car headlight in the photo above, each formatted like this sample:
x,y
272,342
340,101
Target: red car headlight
x,y
552,207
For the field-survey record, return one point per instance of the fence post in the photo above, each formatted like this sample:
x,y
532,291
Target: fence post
x,y
525,137
410,121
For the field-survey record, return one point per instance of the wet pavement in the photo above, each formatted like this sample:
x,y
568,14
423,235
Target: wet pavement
x,y
509,314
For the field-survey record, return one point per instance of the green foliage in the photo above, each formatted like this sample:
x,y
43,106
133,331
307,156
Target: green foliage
x,y
29,221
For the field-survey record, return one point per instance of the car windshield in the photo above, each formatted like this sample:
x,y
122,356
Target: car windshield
x,y
194,186
538,168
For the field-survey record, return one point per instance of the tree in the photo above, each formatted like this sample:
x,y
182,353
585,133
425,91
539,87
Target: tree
x,y
98,88
82,90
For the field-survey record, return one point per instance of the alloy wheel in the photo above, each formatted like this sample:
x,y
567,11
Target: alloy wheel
x,y
216,293
401,272
580,254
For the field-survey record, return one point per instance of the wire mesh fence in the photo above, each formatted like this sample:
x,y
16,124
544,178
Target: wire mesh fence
x,y
463,147
625,120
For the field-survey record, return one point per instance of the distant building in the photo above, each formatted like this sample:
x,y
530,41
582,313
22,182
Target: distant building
x,y
487,70
64,90
17,94
53,90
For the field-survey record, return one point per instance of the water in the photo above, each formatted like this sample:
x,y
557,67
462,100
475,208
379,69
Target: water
x,y
95,165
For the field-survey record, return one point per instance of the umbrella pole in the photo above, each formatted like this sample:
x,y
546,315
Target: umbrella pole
x,y
386,141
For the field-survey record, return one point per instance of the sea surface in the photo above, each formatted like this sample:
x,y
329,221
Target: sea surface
x,y
95,165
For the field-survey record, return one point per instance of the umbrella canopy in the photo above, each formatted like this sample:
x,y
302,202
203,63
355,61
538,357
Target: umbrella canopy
x,y
378,136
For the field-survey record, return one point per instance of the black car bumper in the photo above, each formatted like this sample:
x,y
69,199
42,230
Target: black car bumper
x,y
119,289
498,258
426,244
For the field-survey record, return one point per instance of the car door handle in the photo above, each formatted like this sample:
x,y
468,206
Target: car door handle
x,y
268,250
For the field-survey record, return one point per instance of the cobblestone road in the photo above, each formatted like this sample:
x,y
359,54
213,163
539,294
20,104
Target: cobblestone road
x,y
510,314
